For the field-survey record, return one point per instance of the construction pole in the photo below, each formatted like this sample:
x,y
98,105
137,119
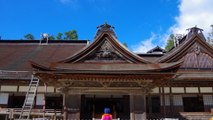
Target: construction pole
x,y
44,106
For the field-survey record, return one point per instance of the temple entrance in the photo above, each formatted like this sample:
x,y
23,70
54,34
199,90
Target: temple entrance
x,y
193,104
92,106
101,103
153,104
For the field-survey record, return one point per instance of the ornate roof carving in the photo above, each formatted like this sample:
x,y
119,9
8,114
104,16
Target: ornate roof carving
x,y
106,52
105,28
197,59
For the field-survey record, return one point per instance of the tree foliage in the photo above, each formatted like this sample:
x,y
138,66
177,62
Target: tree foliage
x,y
71,35
51,37
210,36
170,42
124,43
59,36
29,36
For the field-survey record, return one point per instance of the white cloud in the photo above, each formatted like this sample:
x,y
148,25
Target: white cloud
x,y
191,13
145,45
194,12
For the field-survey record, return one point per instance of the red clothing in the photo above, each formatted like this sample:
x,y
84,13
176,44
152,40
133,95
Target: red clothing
x,y
106,117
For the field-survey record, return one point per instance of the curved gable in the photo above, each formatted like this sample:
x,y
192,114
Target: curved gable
x,y
107,49
195,53
197,59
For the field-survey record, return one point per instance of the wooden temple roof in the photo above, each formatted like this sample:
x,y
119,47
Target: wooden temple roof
x,y
194,47
16,54
106,60
157,50
105,54
153,54
195,53
197,57
190,61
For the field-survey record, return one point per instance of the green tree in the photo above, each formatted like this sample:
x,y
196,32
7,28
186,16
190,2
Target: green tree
x,y
210,37
59,36
124,43
71,35
170,42
29,36
51,37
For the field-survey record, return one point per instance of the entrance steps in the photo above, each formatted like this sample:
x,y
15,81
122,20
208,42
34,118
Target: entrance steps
x,y
196,115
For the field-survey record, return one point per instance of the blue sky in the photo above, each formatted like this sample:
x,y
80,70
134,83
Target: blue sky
x,y
142,24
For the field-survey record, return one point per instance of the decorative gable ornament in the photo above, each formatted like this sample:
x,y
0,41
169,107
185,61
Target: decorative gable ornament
x,y
105,28
197,59
106,52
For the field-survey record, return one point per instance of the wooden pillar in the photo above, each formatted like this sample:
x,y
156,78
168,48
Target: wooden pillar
x,y
114,111
164,107
171,99
137,107
72,104
149,103
44,100
64,107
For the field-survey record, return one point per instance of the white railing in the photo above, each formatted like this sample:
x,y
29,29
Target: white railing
x,y
5,74
12,113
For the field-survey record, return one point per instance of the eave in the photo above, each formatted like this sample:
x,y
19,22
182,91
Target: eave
x,y
95,79
39,67
109,68
194,75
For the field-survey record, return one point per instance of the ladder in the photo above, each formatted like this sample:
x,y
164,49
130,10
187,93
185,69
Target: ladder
x,y
29,99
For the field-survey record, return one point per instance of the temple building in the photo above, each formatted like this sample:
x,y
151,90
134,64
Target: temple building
x,y
78,79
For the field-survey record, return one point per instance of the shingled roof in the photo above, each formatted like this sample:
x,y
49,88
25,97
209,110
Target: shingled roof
x,y
16,54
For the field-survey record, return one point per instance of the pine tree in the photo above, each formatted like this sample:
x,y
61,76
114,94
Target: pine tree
x,y
170,42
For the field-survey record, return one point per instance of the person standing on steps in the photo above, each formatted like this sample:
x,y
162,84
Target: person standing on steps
x,y
106,115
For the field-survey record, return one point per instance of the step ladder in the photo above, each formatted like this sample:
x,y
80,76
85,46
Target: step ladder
x,y
29,99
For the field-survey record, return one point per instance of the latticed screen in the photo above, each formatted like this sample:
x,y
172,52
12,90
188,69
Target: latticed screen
x,y
178,101
208,99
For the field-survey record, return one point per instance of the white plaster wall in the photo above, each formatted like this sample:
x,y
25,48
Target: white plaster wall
x,y
192,90
8,88
206,89
177,89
